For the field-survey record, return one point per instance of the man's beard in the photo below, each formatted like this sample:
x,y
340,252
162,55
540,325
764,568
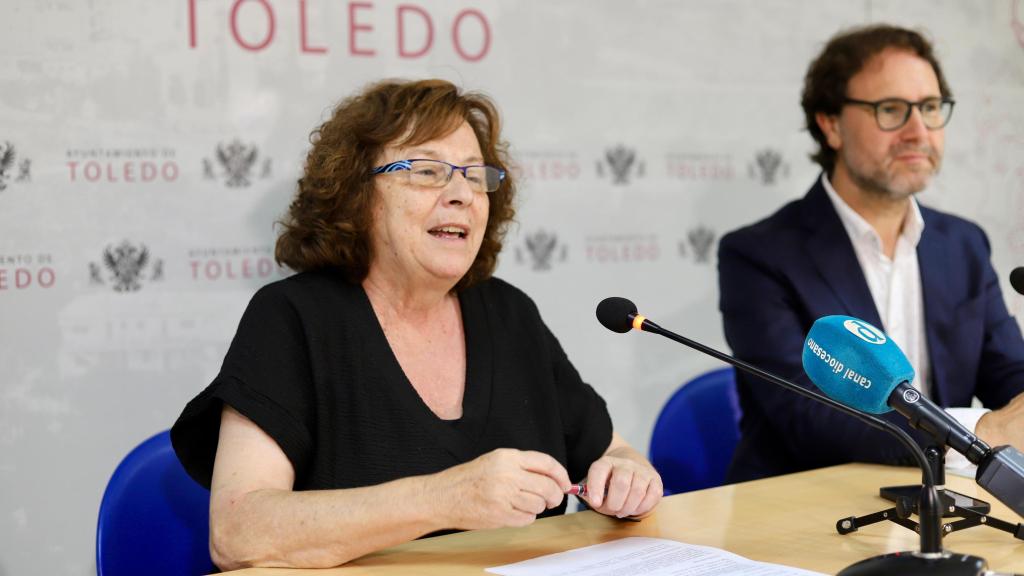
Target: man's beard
x,y
882,182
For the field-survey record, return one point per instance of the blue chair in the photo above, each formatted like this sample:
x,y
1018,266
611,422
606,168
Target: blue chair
x,y
154,519
696,433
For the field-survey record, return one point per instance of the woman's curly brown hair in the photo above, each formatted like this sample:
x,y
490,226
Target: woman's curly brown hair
x,y
328,222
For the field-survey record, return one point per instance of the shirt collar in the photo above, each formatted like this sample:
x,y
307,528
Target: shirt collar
x,y
857,227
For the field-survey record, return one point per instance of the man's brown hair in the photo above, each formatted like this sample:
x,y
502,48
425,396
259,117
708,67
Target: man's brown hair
x,y
842,58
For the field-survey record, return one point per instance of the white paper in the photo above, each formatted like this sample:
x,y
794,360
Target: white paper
x,y
966,469
647,557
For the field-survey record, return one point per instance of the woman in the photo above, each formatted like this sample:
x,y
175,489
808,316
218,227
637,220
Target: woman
x,y
392,388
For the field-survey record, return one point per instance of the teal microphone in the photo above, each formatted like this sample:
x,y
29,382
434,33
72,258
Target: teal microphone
x,y
858,366
620,315
854,363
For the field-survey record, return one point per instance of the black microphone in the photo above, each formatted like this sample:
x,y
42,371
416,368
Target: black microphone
x,y
1000,469
924,415
620,315
1017,279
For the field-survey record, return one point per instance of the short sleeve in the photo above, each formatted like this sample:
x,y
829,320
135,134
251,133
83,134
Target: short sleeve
x,y
266,377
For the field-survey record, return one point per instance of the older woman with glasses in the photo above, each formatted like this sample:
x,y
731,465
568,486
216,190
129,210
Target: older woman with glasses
x,y
393,388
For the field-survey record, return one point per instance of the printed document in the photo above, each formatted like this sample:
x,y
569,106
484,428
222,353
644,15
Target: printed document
x,y
647,556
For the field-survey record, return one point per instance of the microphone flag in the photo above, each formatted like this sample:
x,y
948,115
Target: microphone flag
x,y
854,363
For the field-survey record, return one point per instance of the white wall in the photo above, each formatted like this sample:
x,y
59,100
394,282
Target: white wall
x,y
119,107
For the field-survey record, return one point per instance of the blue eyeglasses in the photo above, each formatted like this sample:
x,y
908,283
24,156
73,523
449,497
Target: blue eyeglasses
x,y
437,173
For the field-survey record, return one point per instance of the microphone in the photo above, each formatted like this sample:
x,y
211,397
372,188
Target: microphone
x,y
1017,279
856,364
620,315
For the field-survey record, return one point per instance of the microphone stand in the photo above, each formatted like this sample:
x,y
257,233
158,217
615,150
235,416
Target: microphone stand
x,y
972,511
931,559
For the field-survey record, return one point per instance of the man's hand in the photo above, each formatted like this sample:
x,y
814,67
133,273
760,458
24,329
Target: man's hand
x,y
1004,426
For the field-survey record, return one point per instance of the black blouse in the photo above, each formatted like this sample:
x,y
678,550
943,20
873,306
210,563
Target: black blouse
x,y
311,366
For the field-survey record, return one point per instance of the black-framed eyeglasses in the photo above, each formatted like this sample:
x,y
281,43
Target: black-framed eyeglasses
x,y
437,173
893,113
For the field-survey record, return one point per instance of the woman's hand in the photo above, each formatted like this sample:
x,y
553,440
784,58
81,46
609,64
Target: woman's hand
x,y
622,482
505,487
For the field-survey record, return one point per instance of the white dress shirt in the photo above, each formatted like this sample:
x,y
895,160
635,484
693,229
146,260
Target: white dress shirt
x,y
895,285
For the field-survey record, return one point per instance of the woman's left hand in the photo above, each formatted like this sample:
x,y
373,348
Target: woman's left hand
x,y
622,482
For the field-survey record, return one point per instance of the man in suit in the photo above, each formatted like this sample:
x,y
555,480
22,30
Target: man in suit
x,y
859,244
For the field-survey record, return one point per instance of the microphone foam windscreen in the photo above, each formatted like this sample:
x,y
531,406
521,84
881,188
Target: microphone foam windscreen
x,y
1017,279
614,314
854,363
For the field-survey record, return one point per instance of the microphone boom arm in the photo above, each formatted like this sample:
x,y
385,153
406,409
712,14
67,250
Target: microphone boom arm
x,y
928,508
868,419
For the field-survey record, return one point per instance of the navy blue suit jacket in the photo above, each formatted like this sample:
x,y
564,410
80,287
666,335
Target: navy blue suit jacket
x,y
776,277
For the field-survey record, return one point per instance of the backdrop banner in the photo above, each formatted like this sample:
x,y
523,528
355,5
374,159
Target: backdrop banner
x,y
147,148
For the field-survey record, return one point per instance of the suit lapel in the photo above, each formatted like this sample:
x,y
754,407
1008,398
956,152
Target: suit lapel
x,y
830,250
933,262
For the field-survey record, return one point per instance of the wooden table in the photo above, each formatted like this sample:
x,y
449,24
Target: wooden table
x,y
787,520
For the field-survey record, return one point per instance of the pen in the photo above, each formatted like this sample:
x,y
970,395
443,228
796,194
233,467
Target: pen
x,y
581,491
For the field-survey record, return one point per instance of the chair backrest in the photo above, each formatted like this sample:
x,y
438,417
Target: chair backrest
x,y
154,519
696,433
